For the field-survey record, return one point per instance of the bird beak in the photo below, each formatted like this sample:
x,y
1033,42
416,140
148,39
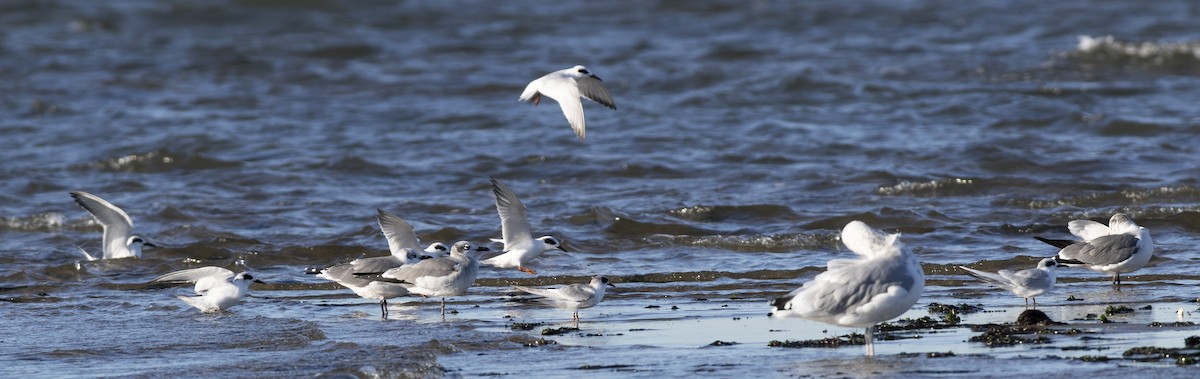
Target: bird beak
x,y
564,249
426,256
597,77
259,281
612,285
148,243
482,248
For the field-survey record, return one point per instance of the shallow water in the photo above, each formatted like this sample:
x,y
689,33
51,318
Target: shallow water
x,y
748,133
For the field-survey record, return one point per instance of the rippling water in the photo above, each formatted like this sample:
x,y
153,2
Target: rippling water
x,y
748,134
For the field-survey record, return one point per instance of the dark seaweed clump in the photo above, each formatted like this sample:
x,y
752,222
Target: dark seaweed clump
x,y
1185,356
1117,310
1157,324
525,325
559,331
846,340
920,323
1002,335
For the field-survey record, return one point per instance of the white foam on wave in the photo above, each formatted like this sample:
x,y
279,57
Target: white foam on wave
x,y
1088,44
41,221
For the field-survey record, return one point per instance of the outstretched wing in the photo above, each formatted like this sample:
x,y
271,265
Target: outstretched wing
x,y
117,225
513,222
399,233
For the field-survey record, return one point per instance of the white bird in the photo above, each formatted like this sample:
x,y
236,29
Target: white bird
x,y
882,283
119,240
573,297
519,245
566,87
402,242
217,288
1120,247
1027,283
365,288
441,277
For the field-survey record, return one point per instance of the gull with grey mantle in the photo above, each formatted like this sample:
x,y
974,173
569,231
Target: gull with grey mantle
x,y
119,240
438,277
573,297
1120,247
881,284
567,86
1027,283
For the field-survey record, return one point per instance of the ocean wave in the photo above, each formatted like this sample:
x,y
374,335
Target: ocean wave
x,y
757,242
161,160
932,188
717,213
38,222
1125,198
1107,52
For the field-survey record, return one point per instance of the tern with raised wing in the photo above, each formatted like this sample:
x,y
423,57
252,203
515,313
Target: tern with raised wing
x,y
519,245
119,240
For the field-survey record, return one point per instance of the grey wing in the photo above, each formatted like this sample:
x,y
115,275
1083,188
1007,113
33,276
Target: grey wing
x,y
436,267
1102,250
593,89
513,221
374,264
399,233
575,292
859,284
195,274
117,225
1032,278
344,275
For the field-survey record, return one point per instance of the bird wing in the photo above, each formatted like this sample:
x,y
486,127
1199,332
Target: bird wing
x,y
1104,250
1088,229
1056,243
513,222
344,275
117,225
572,107
591,88
205,277
374,264
399,233
194,274
856,289
436,267
574,292
993,279
1031,278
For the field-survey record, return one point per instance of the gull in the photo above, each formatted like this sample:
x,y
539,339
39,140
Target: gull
x,y
567,86
119,241
1120,247
881,284
217,288
573,297
1027,283
442,277
365,288
519,245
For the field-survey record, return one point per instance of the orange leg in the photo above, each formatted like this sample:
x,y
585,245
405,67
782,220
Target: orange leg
x,y
537,98
527,270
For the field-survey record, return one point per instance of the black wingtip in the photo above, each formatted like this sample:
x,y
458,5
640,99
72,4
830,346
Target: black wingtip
x,y
1056,243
